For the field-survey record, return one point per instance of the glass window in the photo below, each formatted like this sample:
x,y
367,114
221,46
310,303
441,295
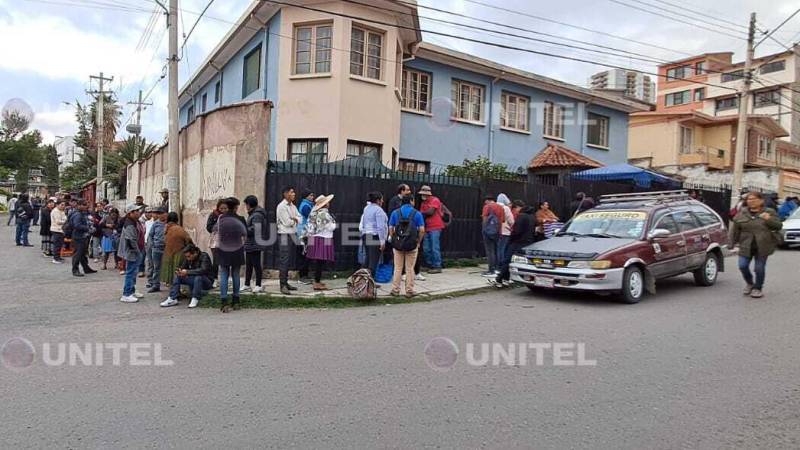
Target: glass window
x,y
217,88
767,98
687,135
705,216
553,120
686,220
410,165
416,90
598,130
677,98
364,149
310,151
732,76
775,66
468,100
699,94
366,53
624,224
764,147
667,223
312,49
252,72
190,113
203,103
677,73
514,111
700,68
727,103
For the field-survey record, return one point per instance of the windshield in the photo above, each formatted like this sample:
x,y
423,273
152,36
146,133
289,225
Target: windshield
x,y
612,224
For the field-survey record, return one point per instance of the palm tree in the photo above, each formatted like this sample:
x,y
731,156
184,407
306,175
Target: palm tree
x,y
134,149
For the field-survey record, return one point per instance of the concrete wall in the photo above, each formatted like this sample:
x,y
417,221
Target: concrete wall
x,y
438,139
223,153
655,139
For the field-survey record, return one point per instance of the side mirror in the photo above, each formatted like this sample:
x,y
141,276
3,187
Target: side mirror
x,y
658,233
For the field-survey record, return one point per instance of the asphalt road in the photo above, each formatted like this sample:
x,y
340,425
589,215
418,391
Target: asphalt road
x,y
689,368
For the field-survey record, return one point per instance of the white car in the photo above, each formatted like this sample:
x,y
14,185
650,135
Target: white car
x,y
791,229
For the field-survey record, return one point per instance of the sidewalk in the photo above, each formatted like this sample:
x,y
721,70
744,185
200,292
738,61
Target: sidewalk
x,y
450,282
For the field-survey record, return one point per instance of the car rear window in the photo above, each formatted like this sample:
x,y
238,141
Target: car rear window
x,y
704,216
686,221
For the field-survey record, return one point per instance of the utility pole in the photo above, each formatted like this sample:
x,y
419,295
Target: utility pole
x,y
136,128
173,177
101,96
744,103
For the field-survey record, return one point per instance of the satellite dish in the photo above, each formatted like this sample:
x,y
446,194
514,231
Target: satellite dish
x,y
134,128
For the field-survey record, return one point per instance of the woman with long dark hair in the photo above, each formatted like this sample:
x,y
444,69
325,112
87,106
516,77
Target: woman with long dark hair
x,y
231,233
753,231
213,231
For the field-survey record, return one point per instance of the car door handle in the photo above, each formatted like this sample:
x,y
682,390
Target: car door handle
x,y
681,243
706,237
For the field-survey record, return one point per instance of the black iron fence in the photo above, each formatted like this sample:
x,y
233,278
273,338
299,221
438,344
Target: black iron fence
x,y
350,183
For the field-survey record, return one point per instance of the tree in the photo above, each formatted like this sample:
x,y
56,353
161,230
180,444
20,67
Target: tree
x,y
87,138
50,167
481,169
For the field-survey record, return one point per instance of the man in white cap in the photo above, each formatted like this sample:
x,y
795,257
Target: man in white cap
x,y
131,248
165,199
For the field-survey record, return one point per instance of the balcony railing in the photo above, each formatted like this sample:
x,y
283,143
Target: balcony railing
x,y
715,158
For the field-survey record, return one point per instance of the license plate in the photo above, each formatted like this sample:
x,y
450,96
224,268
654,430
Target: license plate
x,y
546,282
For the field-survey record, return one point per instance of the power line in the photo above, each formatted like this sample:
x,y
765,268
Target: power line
x,y
777,28
186,37
680,14
577,27
700,13
674,19
92,5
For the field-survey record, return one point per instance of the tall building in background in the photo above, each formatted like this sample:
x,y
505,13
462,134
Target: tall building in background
x,y
68,152
628,82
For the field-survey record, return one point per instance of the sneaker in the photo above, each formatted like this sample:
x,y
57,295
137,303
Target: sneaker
x,y
154,289
122,272
169,302
508,283
77,274
420,277
257,289
128,299
193,303
90,271
58,261
138,295
285,290
290,287
245,288
305,281
488,274
747,289
756,293
494,283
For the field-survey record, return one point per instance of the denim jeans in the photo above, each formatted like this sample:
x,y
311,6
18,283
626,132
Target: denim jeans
x,y
502,247
760,269
224,272
155,268
198,283
58,244
491,243
431,249
23,228
131,268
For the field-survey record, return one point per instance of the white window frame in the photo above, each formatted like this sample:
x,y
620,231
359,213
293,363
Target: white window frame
x,y
686,98
514,111
318,52
604,122
307,143
685,145
411,89
361,146
764,147
360,53
553,126
466,111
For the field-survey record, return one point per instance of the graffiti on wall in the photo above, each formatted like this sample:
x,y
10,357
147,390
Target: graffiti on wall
x,y
218,183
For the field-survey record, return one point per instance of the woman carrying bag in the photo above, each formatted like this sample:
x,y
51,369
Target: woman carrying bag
x,y
753,231
319,230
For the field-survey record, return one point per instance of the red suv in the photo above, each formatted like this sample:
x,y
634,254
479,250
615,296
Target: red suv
x,y
627,243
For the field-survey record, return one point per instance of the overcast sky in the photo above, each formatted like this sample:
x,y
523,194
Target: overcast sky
x,y
50,47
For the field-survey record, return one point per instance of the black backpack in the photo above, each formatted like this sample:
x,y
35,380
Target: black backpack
x,y
21,213
67,228
406,236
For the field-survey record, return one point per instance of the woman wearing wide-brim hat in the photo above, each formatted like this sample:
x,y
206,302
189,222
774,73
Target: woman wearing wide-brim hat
x,y
320,227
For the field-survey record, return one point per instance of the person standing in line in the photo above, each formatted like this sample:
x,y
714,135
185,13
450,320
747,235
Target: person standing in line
x,y
82,231
131,249
23,213
753,232
397,201
306,205
156,242
407,231
175,239
582,203
12,209
195,272
522,235
431,209
232,231
545,218
110,240
151,217
58,218
374,230
95,244
493,217
44,229
257,235
505,228
213,231
36,204
319,229
164,199
288,217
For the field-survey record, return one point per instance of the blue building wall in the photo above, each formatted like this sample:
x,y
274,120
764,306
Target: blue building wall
x,y
442,141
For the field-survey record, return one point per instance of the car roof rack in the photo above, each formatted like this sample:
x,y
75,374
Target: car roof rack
x,y
658,196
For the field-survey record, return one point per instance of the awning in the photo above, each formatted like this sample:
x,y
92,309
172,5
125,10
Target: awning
x,y
626,172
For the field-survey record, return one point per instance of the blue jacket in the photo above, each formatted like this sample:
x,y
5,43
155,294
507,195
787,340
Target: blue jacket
x,y
305,210
79,222
786,210
156,240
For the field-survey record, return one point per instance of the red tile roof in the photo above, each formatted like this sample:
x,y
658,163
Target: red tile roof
x,y
555,155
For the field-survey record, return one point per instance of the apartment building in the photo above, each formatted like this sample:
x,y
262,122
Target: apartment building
x,y
630,83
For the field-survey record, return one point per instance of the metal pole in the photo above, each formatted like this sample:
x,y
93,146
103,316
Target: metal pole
x,y
101,93
744,103
173,178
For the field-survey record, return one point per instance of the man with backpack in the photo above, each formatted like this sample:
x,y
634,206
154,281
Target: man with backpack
x,y
407,230
493,216
24,214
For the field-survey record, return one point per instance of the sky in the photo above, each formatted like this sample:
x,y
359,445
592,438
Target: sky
x,y
50,47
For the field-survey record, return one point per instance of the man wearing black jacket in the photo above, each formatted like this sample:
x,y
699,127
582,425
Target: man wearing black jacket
x,y
23,212
523,233
195,272
257,234
81,232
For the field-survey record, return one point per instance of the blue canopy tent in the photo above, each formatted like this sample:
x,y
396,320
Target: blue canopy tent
x,y
626,172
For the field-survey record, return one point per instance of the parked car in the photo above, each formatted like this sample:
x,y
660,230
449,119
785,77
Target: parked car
x,y
626,244
791,230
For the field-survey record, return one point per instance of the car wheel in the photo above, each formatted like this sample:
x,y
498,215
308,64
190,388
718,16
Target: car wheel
x,y
633,286
532,288
707,274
